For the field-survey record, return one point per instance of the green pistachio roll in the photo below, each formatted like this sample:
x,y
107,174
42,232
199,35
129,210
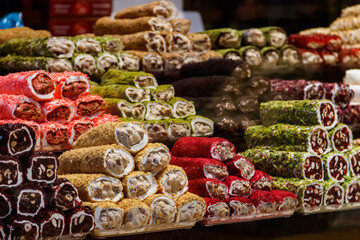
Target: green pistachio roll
x,y
127,92
124,109
138,79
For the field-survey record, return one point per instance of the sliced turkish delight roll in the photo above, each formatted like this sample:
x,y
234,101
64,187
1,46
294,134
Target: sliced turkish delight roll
x,y
177,43
122,77
127,92
80,222
163,209
310,58
217,148
182,108
258,86
336,166
251,55
90,106
107,215
87,45
240,206
216,208
153,158
352,191
106,61
349,57
38,85
287,164
333,194
110,45
136,213
316,41
157,131
11,173
254,37
287,200
130,62
113,160
270,57
241,167
261,181
329,57
264,201
52,225
209,187
54,136
190,57
156,110
173,181
354,161
41,167
199,43
7,207
163,93
17,140
290,55
190,208
341,94
96,187
30,199
20,107
341,138
125,109
131,135
71,85
78,127
24,229
313,139
238,187
196,168
181,25
224,38
139,185
275,36
86,64
210,55
177,128
172,63
64,195
230,53
58,110
151,62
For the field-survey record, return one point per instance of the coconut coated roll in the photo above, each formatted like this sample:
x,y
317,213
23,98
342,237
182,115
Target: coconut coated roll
x,y
173,181
199,43
41,167
190,208
163,209
122,77
181,25
139,185
113,160
129,62
153,158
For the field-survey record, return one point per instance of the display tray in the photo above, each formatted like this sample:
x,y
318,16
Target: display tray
x,y
148,229
252,217
324,209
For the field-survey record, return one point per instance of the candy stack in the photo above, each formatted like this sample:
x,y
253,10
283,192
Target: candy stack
x,y
35,203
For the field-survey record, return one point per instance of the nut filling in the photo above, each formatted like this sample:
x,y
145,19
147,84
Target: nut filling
x,y
130,62
312,196
118,162
174,182
222,151
145,82
138,94
155,160
106,62
163,210
66,196
165,10
155,42
270,59
200,46
241,209
310,58
355,164
152,63
141,186
327,114
277,39
113,46
290,57
229,40
86,64
319,141
80,128
28,111
165,95
317,91
252,57
288,204
219,210
334,196
109,218
353,193
262,184
173,64
157,132
24,230
57,136
215,171
88,45
160,25
53,227
216,190
184,109
191,212
90,108
61,47
268,207
240,188
73,88
130,135
81,224
106,189
178,130
255,37
20,141
136,218
158,111
338,167
30,202
43,84
61,113
232,55
179,43
247,169
342,139
202,129
42,169
135,111
191,58
313,168
59,65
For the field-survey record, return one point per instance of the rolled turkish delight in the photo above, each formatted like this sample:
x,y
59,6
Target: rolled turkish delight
x,y
24,229
172,62
341,138
52,225
30,199
241,167
136,213
125,109
313,139
151,62
225,126
344,23
238,187
71,85
316,41
163,209
78,127
153,158
264,201
210,55
181,25
54,136
336,166
349,57
177,128
275,36
287,164
129,62
16,139
190,208
110,45
200,126
303,112
64,195
199,43
20,107
138,79
196,168
96,187
258,86
190,57
131,135
86,64
87,45
162,9
352,191
106,61
270,57
230,53
286,199
254,37
37,85
177,43
107,215
224,38
173,181
163,93
310,58
41,167
261,181
108,159
251,55
217,148
58,110
240,206
80,222
209,187
127,92
341,94
182,108
156,110
139,185
106,25
333,194
330,57
216,208
157,130
290,55
354,161
353,10
90,106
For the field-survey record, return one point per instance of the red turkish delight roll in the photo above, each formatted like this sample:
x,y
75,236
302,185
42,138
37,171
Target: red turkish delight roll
x,y
42,167
264,201
241,167
217,148
341,94
52,225
24,229
240,206
261,181
104,118
71,85
30,200
216,208
78,127
54,136
16,139
350,57
37,85
80,222
6,206
90,106
196,168
310,57
287,200
10,172
65,196
238,187
34,125
58,110
316,41
20,107
209,187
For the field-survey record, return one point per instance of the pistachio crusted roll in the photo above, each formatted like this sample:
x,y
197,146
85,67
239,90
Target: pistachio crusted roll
x,y
230,53
275,36
127,92
216,208
200,126
354,161
150,61
177,43
341,138
336,166
290,55
130,62
199,43
181,25
131,135
182,108
172,62
85,63
136,213
190,208
96,187
107,159
122,77
254,37
163,209
251,55
224,38
173,181
270,57
157,130
352,191
124,109
153,158
177,128
163,93
110,45
156,110
333,194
